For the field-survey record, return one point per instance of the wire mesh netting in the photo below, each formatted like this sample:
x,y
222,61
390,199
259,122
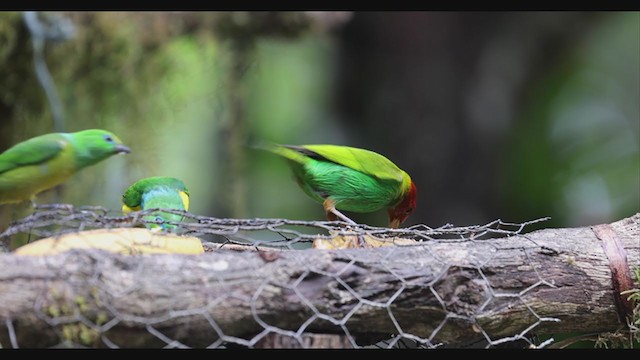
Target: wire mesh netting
x,y
382,288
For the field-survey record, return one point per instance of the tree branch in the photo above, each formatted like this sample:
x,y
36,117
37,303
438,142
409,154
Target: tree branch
x,y
451,292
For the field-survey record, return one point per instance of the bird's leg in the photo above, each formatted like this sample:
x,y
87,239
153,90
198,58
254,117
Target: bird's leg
x,y
330,216
34,206
333,214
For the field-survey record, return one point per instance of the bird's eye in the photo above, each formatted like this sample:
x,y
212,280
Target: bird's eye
x,y
108,138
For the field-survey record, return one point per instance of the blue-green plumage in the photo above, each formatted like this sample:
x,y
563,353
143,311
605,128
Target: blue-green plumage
x,y
159,192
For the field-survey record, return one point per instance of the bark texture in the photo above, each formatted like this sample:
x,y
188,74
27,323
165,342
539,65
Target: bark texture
x,y
442,291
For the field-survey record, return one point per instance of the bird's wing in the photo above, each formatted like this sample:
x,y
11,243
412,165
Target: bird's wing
x,y
365,161
32,152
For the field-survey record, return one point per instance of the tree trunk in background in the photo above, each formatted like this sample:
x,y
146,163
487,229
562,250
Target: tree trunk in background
x,y
233,134
442,90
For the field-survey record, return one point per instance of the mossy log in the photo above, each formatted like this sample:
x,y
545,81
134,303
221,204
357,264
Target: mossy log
x,y
449,292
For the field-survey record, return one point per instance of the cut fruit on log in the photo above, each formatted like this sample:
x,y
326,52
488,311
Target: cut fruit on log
x,y
347,240
127,241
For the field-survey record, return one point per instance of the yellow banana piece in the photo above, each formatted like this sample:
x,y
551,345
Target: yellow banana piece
x,y
128,241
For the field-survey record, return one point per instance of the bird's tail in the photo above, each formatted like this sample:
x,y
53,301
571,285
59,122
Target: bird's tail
x,y
286,151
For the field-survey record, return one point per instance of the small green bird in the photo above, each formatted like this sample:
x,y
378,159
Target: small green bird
x,y
46,161
159,192
351,179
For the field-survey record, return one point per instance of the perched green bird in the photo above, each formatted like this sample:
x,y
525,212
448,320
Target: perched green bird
x,y
351,179
46,161
159,192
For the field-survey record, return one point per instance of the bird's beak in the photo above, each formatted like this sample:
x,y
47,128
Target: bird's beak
x,y
121,149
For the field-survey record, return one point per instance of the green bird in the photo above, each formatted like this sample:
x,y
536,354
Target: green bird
x,y
46,161
350,179
158,192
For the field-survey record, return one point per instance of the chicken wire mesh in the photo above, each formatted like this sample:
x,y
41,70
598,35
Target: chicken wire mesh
x,y
364,297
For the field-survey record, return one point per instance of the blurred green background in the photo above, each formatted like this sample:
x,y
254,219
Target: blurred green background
x,y
510,115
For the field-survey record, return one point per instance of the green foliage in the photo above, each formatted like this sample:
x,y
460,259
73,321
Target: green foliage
x,y
21,108
634,297
158,96
576,155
